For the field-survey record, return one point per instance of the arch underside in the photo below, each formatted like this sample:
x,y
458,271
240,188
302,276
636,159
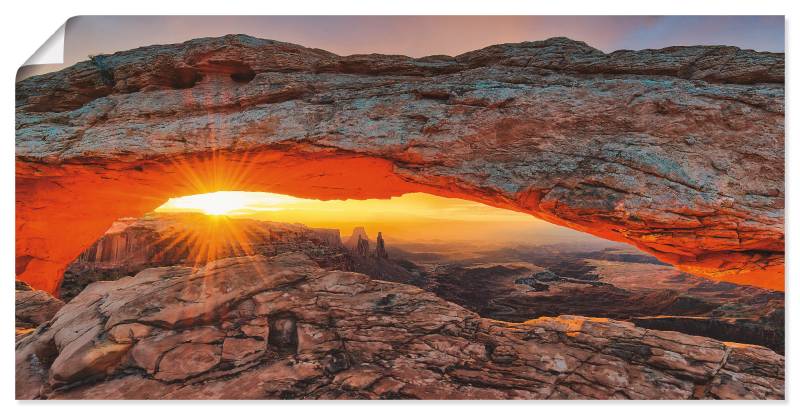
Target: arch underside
x,y
684,167
71,206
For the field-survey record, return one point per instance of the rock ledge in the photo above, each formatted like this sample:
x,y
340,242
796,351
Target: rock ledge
x,y
252,328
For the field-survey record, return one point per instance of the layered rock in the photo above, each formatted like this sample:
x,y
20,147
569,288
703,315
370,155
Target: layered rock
x,y
519,283
358,244
32,308
358,234
380,247
162,239
256,328
362,248
678,151
768,331
509,284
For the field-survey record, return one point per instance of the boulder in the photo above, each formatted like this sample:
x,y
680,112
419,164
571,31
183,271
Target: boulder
x,y
32,308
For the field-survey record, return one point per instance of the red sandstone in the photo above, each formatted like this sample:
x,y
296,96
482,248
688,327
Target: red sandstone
x,y
677,151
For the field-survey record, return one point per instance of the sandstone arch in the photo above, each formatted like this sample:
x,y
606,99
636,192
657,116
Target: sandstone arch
x,y
678,151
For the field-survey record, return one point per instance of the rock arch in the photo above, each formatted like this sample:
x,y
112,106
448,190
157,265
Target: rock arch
x,y
678,151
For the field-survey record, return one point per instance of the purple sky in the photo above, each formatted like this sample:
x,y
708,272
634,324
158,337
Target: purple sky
x,y
423,35
427,35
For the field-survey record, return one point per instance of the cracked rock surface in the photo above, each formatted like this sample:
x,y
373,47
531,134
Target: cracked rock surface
x,y
32,308
257,328
677,151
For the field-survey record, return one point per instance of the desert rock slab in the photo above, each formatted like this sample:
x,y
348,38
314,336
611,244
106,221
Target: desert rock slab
x,y
341,335
32,308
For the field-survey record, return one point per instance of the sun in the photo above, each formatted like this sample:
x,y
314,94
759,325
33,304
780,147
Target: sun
x,y
217,203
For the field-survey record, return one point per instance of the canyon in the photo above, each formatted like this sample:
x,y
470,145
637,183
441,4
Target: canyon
x,y
678,151
131,245
508,283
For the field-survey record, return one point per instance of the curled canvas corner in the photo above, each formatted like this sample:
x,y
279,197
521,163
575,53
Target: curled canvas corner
x,y
51,52
48,57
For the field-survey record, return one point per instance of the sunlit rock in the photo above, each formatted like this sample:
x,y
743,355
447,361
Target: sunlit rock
x,y
678,151
255,328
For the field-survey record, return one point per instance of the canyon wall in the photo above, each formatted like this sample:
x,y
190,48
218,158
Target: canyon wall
x,y
678,151
193,239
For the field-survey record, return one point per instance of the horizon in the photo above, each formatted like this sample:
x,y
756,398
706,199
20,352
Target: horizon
x,y
408,218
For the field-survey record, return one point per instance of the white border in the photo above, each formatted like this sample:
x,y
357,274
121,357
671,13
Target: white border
x,y
51,51
25,25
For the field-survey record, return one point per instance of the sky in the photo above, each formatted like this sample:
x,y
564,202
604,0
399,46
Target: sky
x,y
413,217
418,36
